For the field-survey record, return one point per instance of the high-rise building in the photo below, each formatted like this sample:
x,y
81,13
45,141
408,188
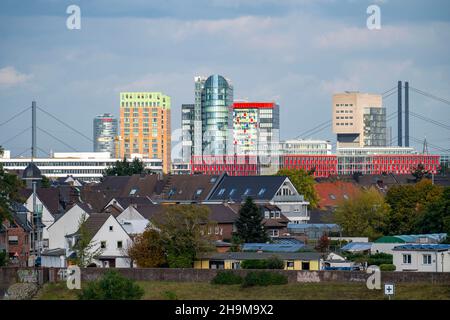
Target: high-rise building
x,y
197,115
256,132
187,128
145,126
105,131
359,120
216,101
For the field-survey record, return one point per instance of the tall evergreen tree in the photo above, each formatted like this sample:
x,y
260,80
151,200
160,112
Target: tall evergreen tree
x,y
125,168
249,224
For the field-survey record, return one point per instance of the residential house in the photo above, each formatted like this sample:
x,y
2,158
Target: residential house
x,y
47,200
107,234
422,257
264,190
66,224
233,260
16,236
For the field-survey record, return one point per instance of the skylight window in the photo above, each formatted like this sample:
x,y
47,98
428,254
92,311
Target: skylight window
x,y
133,191
261,192
332,197
247,191
221,191
232,192
199,192
213,179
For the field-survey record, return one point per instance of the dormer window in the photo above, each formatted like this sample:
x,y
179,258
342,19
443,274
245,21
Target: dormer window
x,y
261,192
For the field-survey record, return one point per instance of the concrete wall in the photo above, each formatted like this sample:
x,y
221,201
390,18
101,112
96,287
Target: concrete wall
x,y
10,275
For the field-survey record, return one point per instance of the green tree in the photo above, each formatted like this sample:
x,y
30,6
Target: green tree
x,y
183,230
407,203
249,224
84,248
304,182
436,215
3,258
147,250
125,168
364,215
45,182
112,286
10,185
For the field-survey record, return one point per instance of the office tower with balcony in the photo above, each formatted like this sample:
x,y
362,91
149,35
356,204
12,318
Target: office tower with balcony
x,y
105,131
359,120
145,126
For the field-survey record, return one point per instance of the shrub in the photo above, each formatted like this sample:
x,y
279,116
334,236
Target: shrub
x,y
274,263
264,278
253,264
170,295
227,277
387,267
112,286
379,259
3,258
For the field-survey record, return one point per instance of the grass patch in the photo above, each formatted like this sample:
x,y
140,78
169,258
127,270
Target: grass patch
x,y
166,290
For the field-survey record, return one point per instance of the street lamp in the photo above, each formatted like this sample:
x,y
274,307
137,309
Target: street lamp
x,y
32,175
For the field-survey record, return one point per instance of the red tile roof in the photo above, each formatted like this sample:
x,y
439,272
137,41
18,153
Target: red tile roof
x,y
331,193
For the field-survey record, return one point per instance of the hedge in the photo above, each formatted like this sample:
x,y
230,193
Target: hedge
x,y
227,277
264,278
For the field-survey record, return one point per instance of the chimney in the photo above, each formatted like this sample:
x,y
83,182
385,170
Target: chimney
x,y
399,114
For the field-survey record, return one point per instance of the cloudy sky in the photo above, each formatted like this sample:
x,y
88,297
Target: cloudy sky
x,y
297,52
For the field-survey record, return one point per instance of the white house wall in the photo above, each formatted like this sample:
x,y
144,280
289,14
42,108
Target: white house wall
x,y
47,217
417,261
67,224
111,238
129,213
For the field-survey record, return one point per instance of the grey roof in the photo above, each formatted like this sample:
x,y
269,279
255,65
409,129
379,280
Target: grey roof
x,y
261,255
124,202
54,252
32,172
48,196
260,188
423,247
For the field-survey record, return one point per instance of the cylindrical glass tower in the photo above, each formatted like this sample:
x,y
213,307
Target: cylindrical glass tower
x,y
217,100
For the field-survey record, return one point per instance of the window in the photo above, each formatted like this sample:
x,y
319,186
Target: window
x,y
110,228
119,244
232,192
332,197
13,240
103,244
274,233
247,191
426,259
221,191
261,192
406,259
290,264
198,192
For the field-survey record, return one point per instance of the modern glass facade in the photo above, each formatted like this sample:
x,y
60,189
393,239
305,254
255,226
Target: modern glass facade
x,y
187,128
105,131
374,127
216,101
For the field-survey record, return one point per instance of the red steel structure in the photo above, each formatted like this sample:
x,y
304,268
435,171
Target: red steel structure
x,y
323,165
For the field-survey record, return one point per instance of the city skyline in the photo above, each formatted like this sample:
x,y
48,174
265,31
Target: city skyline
x,y
274,56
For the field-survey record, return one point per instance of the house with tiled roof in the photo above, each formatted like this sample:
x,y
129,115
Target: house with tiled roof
x,y
67,223
15,236
108,235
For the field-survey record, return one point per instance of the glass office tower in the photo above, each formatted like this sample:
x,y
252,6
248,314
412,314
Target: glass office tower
x,y
217,122
105,131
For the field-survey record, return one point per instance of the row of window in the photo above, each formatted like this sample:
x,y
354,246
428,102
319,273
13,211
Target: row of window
x,y
344,105
344,111
426,259
344,118
344,124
